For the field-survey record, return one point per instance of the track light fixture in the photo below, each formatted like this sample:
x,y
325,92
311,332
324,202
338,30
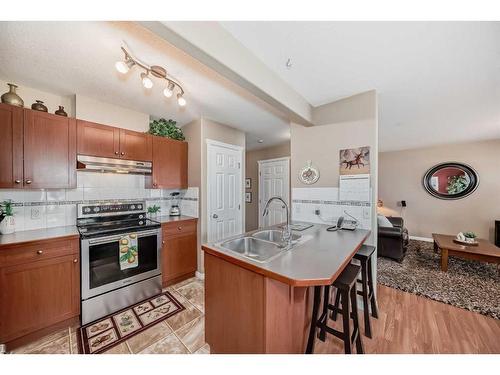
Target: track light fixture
x,y
123,67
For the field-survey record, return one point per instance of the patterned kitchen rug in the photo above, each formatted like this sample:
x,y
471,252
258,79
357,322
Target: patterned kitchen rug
x,y
107,332
468,284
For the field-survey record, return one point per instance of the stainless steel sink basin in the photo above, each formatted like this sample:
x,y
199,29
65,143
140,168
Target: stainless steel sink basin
x,y
253,248
273,235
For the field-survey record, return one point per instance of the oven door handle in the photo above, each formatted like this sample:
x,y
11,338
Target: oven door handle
x,y
117,237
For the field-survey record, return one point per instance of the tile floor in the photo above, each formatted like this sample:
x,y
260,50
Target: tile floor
x,y
182,333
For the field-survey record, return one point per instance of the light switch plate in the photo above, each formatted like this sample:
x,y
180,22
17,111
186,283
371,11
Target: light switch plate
x,y
35,213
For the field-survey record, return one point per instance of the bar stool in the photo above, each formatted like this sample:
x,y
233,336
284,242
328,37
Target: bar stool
x,y
346,286
364,255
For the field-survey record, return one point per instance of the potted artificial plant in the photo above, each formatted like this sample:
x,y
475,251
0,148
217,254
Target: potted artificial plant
x,y
166,128
7,224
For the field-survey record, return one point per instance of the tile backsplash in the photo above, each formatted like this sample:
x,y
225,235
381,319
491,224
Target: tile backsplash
x,y
305,201
35,209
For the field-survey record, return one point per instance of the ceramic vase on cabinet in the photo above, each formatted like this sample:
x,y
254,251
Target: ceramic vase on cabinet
x,y
39,106
11,96
7,225
61,111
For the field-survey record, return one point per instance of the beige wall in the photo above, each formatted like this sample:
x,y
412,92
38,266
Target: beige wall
x,y
400,178
109,114
353,123
192,132
252,171
52,101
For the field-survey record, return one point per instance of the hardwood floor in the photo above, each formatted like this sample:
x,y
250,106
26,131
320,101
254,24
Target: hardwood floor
x,y
409,323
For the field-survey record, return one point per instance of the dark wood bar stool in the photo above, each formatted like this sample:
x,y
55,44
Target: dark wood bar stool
x,y
346,287
364,255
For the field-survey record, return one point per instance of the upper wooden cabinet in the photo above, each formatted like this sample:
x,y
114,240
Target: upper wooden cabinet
x,y
97,140
110,142
170,164
135,145
49,151
37,149
11,146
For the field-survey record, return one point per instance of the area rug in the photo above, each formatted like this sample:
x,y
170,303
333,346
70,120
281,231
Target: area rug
x,y
107,332
468,284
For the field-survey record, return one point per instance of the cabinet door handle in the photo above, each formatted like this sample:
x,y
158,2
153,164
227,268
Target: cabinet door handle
x,y
39,252
122,153
28,181
75,260
163,242
179,228
116,152
17,181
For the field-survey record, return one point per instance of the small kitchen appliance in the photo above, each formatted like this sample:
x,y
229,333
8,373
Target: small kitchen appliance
x,y
174,208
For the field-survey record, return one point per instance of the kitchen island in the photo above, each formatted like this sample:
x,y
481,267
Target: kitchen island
x,y
265,307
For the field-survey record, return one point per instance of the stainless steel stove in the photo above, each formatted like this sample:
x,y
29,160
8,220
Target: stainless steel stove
x,y
106,287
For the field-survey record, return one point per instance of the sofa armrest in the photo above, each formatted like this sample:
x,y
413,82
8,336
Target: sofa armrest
x,y
391,232
396,221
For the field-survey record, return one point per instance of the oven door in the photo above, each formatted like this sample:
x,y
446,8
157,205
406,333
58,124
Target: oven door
x,y
101,271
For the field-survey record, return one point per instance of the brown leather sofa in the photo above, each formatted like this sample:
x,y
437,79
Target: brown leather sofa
x,y
393,241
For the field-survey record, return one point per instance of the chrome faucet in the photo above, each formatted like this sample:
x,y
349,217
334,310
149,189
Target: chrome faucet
x,y
286,232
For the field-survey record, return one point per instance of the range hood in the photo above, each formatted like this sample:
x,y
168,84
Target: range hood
x,y
111,165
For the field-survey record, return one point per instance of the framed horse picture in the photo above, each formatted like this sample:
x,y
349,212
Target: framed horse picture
x,y
354,161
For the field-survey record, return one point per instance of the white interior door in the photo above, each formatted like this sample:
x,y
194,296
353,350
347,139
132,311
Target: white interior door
x,y
224,191
274,181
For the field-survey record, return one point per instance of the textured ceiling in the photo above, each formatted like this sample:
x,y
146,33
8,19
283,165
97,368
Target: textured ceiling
x,y
438,82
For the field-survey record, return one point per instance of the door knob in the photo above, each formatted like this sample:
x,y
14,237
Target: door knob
x,y
17,181
215,216
28,182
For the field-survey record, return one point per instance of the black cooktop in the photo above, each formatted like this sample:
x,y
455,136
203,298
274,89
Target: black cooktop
x,y
104,226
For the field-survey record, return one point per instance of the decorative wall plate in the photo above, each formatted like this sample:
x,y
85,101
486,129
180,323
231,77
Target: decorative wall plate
x,y
309,174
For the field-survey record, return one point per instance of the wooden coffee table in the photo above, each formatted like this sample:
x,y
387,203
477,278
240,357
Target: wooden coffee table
x,y
485,251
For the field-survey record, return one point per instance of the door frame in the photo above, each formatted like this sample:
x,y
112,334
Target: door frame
x,y
260,162
210,143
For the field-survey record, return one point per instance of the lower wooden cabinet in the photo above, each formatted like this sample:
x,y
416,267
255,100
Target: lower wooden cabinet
x,y
179,251
39,286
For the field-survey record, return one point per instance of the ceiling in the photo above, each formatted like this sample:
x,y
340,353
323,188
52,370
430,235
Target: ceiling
x,y
438,82
68,58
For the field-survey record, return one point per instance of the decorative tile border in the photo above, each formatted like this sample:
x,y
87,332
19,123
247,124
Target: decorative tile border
x,y
334,203
63,203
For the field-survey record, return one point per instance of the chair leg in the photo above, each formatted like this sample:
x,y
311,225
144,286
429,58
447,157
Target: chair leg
x,y
324,314
355,330
371,290
336,304
345,322
366,305
314,320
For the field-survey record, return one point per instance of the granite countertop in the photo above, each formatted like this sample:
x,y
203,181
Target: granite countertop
x,y
38,235
317,260
168,219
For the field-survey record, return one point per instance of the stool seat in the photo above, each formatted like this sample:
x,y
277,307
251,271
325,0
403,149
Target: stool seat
x,y
364,252
348,277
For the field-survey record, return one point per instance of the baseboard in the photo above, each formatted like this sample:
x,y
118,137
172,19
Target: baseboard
x,y
426,239
200,275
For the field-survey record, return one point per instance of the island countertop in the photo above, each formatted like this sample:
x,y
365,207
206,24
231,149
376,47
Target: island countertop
x,y
318,260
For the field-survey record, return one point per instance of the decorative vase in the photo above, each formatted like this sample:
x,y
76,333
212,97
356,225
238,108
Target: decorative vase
x,y
11,97
7,225
39,106
61,111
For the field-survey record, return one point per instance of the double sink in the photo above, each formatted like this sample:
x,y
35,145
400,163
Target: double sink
x,y
261,246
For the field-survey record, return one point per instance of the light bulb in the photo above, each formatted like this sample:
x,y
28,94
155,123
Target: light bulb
x,y
146,81
168,92
180,100
124,66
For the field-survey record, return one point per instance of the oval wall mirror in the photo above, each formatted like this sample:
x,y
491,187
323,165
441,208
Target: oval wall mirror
x,y
451,180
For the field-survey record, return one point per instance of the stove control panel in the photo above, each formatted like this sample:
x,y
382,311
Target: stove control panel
x,y
104,209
